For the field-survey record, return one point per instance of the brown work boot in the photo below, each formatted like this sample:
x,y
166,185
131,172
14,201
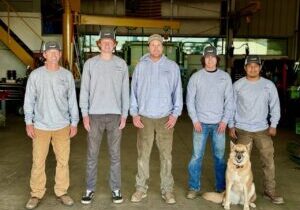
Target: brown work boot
x,y
273,197
32,203
169,197
192,194
66,200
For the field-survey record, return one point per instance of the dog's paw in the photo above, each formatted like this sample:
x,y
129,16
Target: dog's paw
x,y
252,205
226,206
246,208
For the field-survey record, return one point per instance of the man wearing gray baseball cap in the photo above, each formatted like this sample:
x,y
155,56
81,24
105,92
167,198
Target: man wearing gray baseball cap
x,y
104,103
256,98
209,103
51,116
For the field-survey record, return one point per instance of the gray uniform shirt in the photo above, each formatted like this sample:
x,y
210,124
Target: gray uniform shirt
x,y
50,99
210,97
104,87
253,102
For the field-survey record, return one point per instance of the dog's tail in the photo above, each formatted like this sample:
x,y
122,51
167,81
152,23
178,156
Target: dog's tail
x,y
214,196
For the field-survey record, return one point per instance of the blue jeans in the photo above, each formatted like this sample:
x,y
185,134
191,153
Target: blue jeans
x,y
218,150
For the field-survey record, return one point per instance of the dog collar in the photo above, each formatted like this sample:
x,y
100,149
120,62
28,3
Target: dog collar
x,y
237,166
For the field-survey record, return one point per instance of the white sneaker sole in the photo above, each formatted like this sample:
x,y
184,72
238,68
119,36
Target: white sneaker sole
x,y
86,202
118,201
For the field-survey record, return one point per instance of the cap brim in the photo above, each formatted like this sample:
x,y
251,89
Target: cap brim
x,y
258,63
212,54
155,39
52,49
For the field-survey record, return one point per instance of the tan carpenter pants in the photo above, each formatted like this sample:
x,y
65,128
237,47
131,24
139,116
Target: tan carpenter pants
x,y
60,141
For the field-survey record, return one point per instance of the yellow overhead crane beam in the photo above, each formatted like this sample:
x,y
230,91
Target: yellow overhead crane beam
x,y
82,19
71,16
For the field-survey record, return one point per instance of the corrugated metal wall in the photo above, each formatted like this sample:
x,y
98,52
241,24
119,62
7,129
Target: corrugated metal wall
x,y
275,19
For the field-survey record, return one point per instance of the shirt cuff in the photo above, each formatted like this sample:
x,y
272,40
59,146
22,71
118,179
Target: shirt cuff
x,y
124,116
175,115
274,124
134,113
74,124
84,114
194,120
224,120
29,122
230,125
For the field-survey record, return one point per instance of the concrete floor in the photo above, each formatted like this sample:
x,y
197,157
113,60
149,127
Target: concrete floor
x,y
15,165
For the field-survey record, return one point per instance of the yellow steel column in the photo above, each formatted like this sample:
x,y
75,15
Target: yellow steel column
x,y
67,35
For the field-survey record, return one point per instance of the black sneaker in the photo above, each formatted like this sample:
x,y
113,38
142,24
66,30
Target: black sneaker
x,y
87,197
117,196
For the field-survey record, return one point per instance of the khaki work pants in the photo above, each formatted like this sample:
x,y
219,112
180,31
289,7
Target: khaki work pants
x,y
263,142
154,129
60,141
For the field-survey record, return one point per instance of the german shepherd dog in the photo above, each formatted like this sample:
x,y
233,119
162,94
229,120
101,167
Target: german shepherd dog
x,y
240,188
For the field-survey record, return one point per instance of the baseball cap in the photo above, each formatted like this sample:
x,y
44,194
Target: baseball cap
x,y
107,34
155,37
252,59
210,50
51,45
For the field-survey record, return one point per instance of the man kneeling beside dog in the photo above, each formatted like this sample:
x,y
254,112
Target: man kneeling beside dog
x,y
255,98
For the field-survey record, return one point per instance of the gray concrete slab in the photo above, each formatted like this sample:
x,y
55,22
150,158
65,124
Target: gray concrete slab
x,y
15,166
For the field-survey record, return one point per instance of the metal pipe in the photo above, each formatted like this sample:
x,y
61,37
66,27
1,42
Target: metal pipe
x,y
229,33
172,15
67,35
115,7
297,34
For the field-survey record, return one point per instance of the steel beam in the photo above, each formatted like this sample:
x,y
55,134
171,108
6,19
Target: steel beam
x,y
130,22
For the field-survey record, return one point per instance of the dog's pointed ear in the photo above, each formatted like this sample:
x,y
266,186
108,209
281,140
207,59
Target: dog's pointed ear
x,y
249,146
231,145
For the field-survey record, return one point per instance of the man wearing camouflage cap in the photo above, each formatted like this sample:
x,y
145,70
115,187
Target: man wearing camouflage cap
x,y
255,99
